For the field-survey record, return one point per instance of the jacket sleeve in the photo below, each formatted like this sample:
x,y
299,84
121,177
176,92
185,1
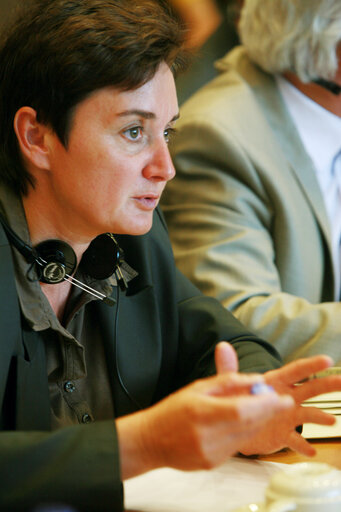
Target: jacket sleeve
x,y
76,466
204,322
236,238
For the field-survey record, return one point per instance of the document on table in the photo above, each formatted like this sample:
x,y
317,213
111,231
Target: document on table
x,y
235,484
328,402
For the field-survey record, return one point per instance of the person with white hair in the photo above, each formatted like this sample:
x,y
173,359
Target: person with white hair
x,y
254,213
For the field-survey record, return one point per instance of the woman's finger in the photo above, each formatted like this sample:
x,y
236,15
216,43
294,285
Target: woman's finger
x,y
299,370
316,387
226,359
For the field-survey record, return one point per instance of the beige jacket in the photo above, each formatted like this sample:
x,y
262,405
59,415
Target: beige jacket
x,y
246,216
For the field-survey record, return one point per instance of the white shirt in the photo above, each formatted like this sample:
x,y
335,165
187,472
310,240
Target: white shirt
x,y
320,132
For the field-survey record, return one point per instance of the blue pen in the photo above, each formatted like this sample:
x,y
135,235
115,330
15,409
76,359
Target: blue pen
x,y
260,388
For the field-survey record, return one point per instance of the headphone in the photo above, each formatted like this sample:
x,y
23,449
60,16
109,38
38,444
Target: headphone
x,y
55,260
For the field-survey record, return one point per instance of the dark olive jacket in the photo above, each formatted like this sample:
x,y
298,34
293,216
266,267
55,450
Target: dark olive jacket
x,y
159,336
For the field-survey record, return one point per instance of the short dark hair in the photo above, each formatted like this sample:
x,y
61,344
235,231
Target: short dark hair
x,y
58,52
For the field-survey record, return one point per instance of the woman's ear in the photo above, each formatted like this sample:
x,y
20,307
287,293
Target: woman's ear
x,y
31,136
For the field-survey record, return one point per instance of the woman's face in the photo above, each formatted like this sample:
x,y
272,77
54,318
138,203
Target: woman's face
x,y
116,165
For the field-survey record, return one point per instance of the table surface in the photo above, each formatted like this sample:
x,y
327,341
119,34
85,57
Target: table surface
x,y
239,482
328,450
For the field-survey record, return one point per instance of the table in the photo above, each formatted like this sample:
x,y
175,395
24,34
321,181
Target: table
x,y
328,450
240,481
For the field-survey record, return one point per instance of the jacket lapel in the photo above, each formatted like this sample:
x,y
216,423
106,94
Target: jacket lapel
x,y
292,149
33,403
10,336
22,356
132,334
285,141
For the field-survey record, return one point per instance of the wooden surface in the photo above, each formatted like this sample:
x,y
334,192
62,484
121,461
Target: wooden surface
x,y
328,451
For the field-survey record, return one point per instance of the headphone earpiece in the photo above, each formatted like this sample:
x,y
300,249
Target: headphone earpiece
x,y
95,261
55,260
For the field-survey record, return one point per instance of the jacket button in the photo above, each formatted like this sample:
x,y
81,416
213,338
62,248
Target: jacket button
x,y
69,387
86,418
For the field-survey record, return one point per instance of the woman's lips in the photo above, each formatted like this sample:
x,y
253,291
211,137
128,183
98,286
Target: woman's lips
x,y
147,202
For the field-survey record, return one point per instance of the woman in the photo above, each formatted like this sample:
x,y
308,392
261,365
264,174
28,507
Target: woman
x,y
88,105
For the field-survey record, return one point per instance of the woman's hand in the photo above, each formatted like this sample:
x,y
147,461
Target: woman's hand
x,y
201,425
280,431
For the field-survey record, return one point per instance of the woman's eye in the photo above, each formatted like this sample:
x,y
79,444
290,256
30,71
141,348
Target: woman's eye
x,y
168,134
134,133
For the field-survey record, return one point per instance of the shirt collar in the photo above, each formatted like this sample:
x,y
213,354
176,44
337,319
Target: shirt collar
x,y
318,128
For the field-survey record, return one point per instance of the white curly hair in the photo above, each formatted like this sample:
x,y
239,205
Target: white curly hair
x,y
301,36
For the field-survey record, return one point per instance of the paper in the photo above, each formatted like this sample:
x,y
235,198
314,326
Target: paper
x,y
328,402
237,483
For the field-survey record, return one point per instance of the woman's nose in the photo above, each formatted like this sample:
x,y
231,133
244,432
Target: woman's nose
x,y
160,167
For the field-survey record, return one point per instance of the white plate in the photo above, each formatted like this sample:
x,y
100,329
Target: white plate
x,y
252,507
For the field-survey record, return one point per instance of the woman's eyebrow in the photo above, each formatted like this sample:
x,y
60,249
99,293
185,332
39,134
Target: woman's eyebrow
x,y
175,117
143,113
135,112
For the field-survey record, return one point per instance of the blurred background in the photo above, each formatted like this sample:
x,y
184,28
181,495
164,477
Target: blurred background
x,y
212,32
